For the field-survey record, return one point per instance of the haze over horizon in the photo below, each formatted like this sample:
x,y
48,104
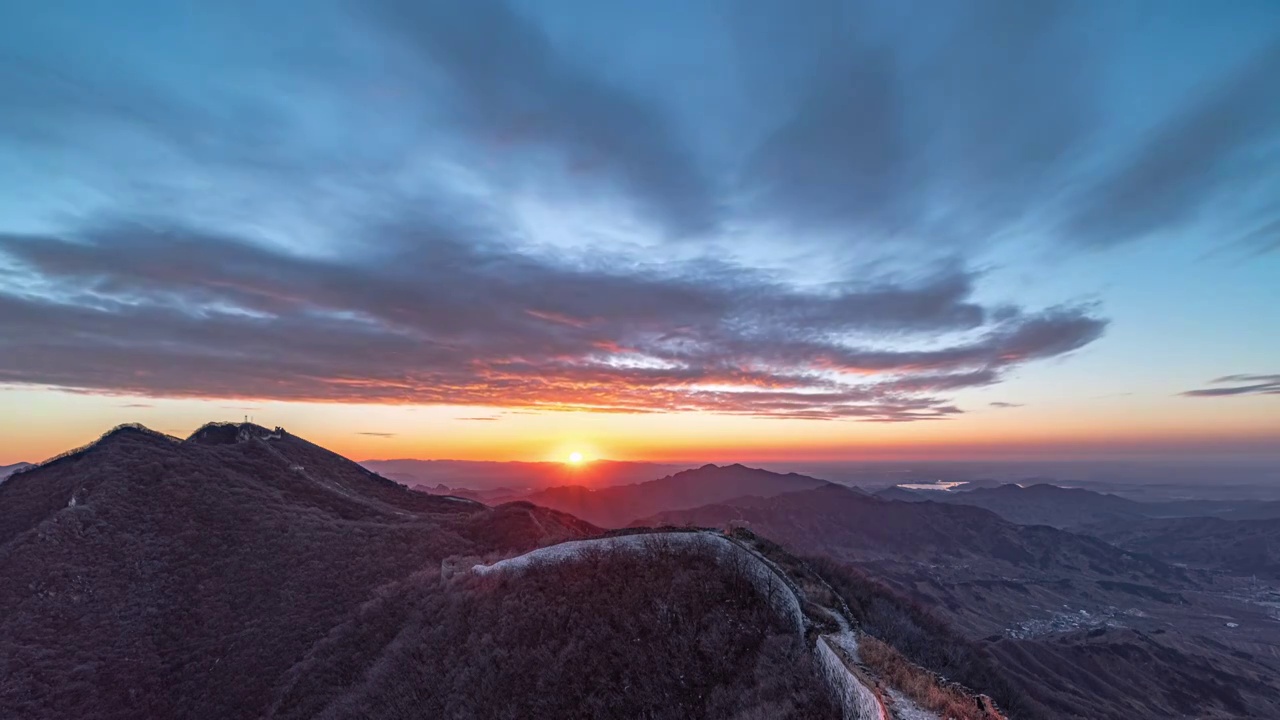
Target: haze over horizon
x,y
727,230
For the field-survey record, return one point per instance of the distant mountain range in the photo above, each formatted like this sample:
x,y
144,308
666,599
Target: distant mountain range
x,y
1055,608
1235,536
1039,504
1047,504
619,506
980,566
517,477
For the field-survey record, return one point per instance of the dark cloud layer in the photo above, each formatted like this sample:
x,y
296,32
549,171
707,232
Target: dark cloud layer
x,y
166,312
1240,385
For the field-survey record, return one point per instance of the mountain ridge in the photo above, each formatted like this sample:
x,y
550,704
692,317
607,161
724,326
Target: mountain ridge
x,y
147,547
523,476
621,505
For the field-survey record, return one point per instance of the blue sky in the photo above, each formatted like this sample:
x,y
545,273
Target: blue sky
x,y
852,215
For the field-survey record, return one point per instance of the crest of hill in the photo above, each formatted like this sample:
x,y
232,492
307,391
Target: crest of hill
x,y
620,506
7,470
229,433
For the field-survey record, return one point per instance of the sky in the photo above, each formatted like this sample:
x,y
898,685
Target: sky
x,y
679,229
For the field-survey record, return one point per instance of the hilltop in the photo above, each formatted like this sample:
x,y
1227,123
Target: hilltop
x,y
7,470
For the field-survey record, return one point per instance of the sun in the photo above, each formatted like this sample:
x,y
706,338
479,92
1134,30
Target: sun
x,y
575,458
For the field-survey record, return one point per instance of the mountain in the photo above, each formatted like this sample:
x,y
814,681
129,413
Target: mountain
x,y
1243,547
7,470
618,506
521,477
986,569
1080,509
494,496
247,573
1045,504
1039,598
147,576
897,492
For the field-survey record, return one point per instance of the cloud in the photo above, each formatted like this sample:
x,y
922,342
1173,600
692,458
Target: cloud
x,y
137,405
1005,405
378,434
1214,145
441,319
951,128
947,142
1240,385
1262,240
513,85
478,419
836,124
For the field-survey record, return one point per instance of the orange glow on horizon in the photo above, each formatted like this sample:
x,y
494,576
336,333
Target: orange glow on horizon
x,y
1078,428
